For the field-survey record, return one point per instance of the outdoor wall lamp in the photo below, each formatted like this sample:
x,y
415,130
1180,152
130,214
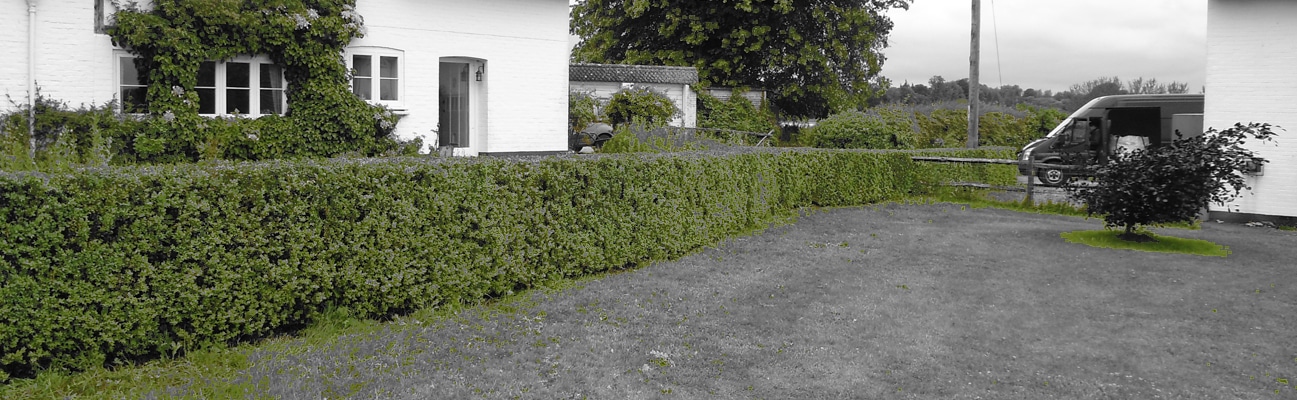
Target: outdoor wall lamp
x,y
480,70
1254,167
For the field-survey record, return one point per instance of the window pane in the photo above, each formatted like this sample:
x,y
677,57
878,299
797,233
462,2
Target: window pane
x,y
238,75
206,101
207,74
272,76
130,74
237,101
272,102
387,90
387,67
361,66
135,100
362,88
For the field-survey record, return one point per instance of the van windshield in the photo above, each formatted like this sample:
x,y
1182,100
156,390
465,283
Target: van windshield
x,y
1062,125
1079,114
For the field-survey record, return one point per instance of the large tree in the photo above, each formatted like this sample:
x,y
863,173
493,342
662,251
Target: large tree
x,y
814,56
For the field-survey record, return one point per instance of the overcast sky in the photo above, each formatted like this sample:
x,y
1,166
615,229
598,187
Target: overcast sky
x,y
1052,44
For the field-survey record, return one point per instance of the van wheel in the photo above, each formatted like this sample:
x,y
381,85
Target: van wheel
x,y
1052,176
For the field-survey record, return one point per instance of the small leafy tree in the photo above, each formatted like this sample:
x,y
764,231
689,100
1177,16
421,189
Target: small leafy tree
x,y
640,104
583,109
1172,183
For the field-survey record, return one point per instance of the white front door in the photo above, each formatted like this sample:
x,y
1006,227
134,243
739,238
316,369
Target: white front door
x,y
461,109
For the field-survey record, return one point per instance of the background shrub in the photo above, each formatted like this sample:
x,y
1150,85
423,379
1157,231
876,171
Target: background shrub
x,y
1040,120
65,136
943,125
875,129
641,105
736,113
943,128
582,110
1000,129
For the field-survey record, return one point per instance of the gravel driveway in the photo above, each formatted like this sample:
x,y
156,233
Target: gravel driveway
x,y
888,301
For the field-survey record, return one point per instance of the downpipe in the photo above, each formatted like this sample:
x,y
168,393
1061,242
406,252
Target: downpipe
x,y
31,79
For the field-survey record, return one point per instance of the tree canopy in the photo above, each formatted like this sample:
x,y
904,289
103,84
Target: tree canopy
x,y
815,57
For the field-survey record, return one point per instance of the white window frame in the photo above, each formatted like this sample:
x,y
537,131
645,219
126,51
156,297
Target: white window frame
x,y
255,63
375,54
118,57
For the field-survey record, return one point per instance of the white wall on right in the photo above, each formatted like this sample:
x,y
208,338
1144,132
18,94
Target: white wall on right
x,y
1252,77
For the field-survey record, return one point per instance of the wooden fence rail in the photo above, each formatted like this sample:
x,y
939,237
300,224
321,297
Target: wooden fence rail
x,y
1032,167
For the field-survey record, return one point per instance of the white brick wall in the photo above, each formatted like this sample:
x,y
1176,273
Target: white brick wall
x,y
1252,77
524,43
73,63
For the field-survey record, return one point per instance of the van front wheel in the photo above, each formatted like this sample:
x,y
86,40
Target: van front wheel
x,y
1052,176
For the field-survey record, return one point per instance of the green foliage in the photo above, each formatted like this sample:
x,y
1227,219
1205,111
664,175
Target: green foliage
x,y
641,139
306,37
1000,129
737,113
927,126
582,110
943,128
1172,183
111,265
624,140
65,137
1161,244
815,58
1040,120
640,105
876,129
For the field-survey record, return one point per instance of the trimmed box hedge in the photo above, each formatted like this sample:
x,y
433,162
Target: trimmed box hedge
x,y
108,265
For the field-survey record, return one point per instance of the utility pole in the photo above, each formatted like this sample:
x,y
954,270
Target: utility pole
x,y
974,87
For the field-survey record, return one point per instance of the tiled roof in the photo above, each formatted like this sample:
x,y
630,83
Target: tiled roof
x,y
632,73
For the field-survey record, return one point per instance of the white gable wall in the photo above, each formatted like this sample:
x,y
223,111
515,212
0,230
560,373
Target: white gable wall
x,y
73,63
524,43
1252,77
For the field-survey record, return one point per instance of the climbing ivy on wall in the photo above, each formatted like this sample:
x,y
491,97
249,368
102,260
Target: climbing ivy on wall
x,y
173,37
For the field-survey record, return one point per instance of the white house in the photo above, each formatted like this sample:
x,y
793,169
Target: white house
x,y
484,76
1252,77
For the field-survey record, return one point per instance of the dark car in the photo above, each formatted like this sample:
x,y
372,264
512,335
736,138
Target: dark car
x,y
593,135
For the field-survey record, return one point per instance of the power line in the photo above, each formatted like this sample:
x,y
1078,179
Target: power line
x,y
995,27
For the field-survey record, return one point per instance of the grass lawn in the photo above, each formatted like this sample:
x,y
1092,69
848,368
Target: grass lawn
x,y
888,301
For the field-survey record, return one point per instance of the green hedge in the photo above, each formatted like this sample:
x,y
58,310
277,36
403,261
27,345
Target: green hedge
x,y
116,264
